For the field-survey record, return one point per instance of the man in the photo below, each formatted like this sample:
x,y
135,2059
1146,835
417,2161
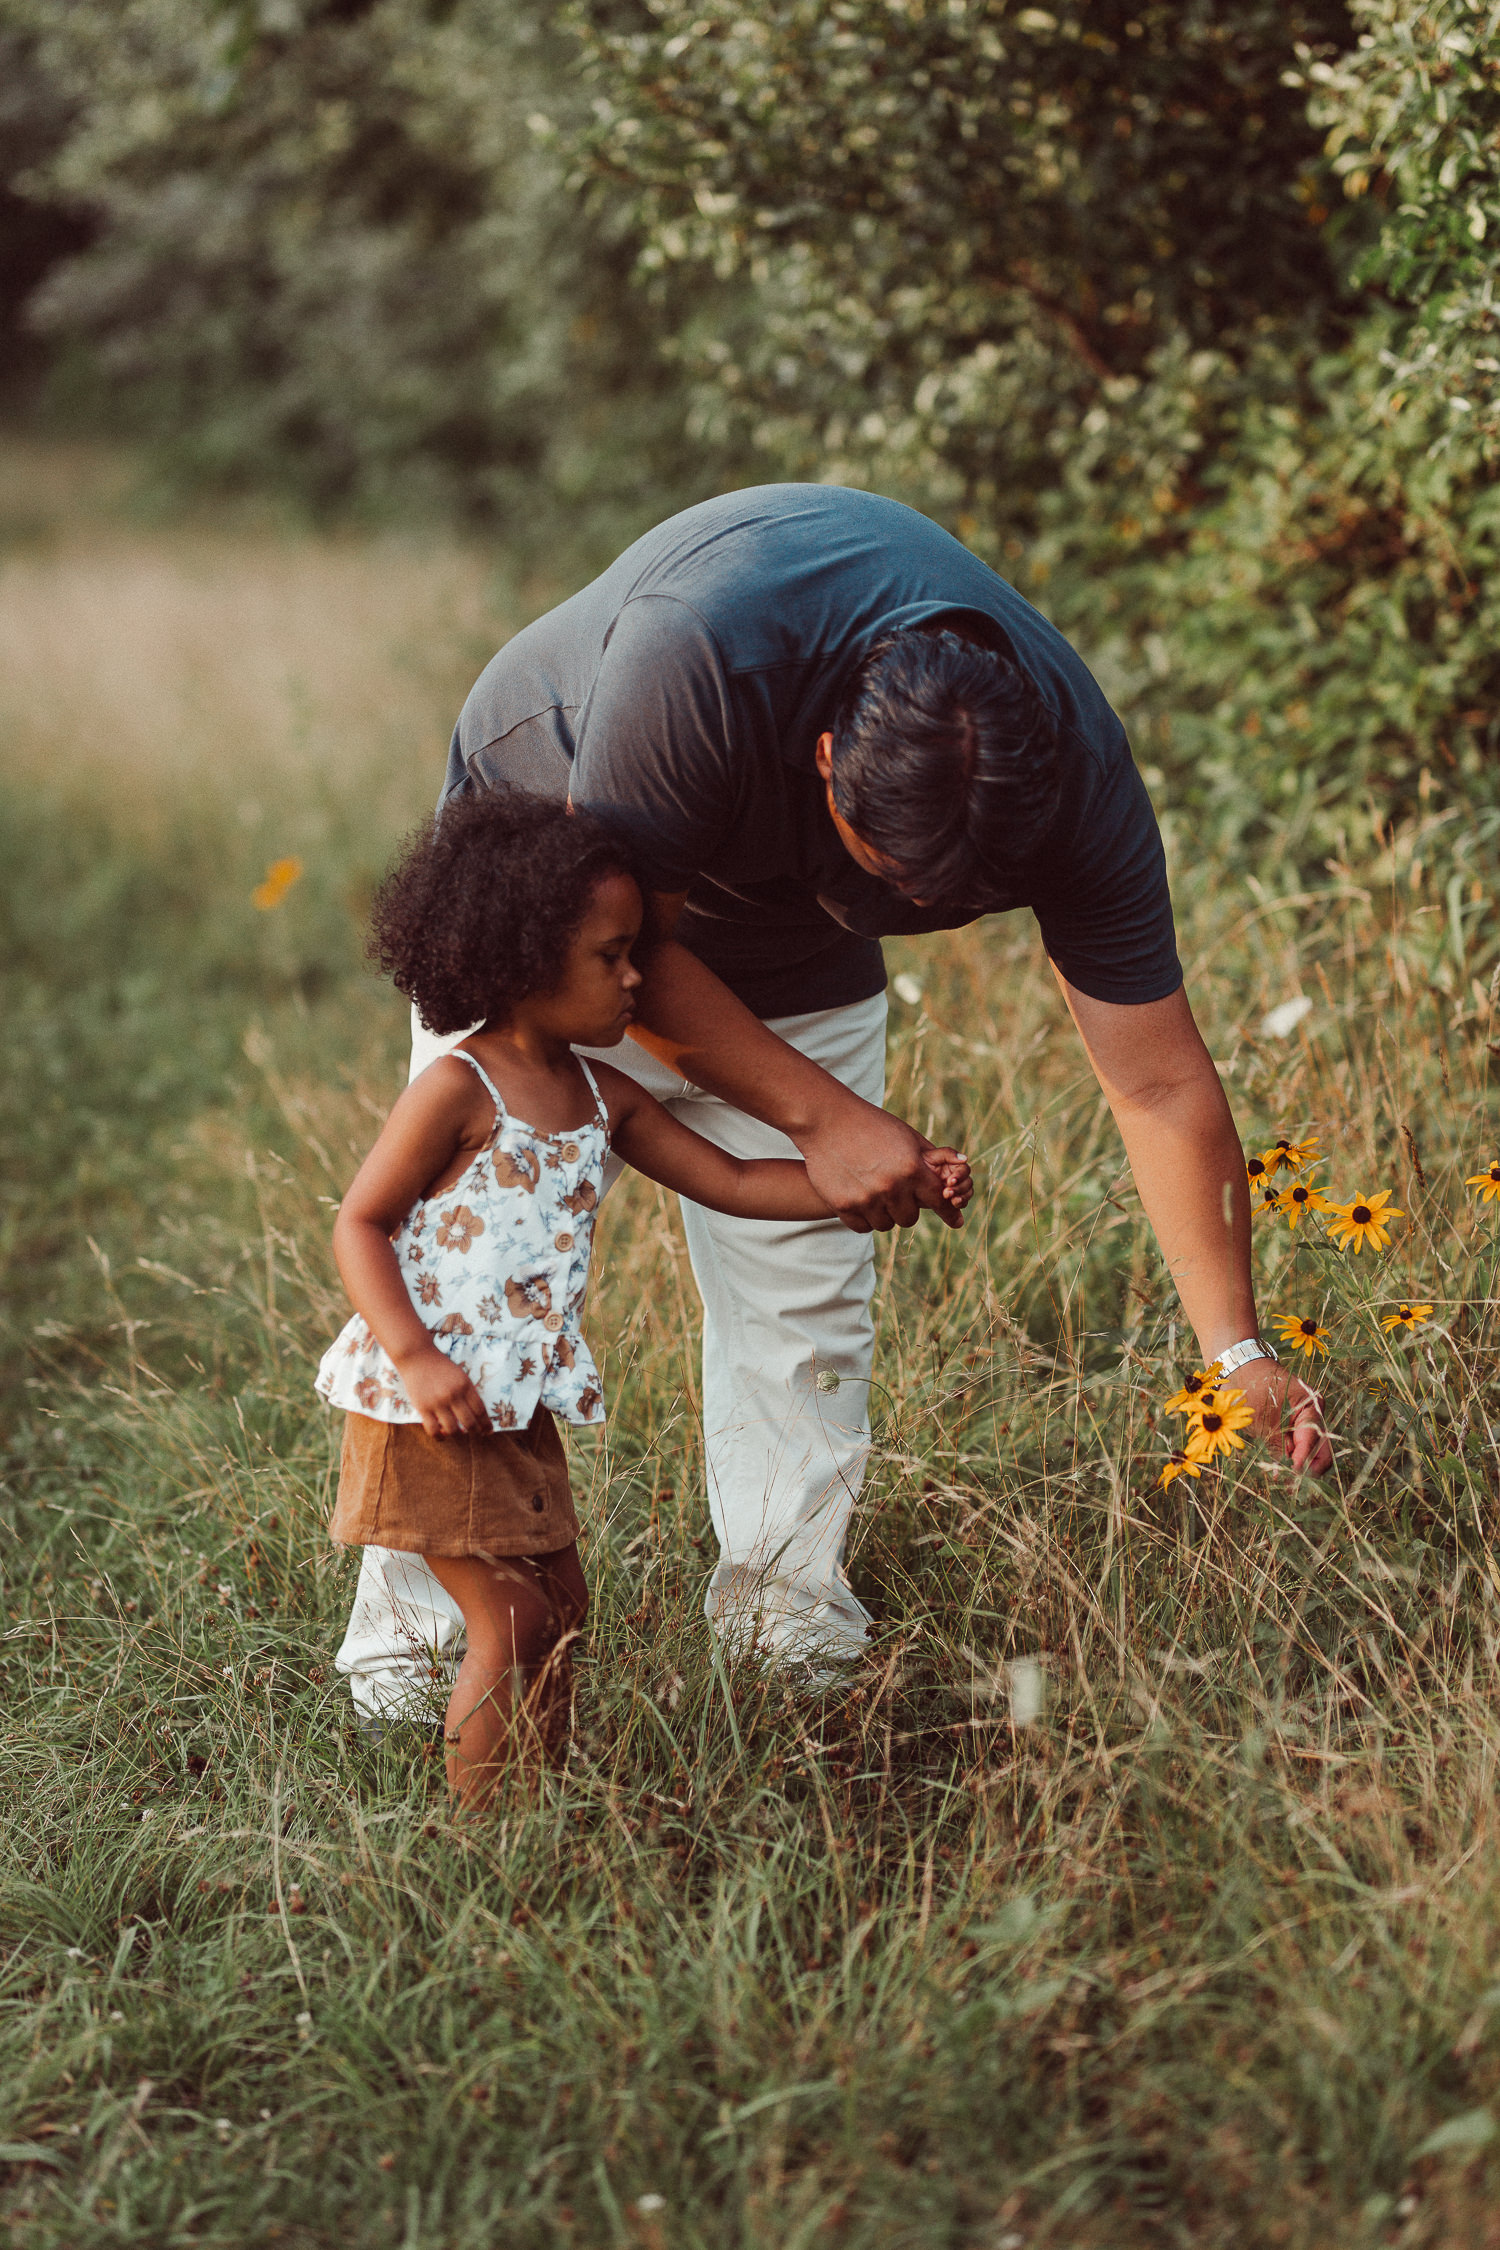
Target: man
x,y
819,720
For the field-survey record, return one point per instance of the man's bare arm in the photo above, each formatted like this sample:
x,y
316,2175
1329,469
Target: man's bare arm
x,y
866,1165
1184,1151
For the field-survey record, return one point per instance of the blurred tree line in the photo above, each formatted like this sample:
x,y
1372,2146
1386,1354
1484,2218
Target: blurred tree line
x,y
1182,312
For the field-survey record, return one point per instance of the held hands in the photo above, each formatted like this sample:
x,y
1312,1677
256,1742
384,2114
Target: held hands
x,y
875,1172
443,1395
1288,1415
952,1169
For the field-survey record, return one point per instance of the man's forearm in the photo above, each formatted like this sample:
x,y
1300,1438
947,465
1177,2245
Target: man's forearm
x,y
1184,1152
691,1021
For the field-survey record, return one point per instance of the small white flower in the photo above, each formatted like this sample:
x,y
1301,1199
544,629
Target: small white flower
x,y
906,988
1280,1022
76,1953
1028,1691
649,2203
828,1379
223,2128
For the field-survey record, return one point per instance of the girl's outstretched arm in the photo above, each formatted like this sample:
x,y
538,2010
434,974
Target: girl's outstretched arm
x,y
653,1141
439,1119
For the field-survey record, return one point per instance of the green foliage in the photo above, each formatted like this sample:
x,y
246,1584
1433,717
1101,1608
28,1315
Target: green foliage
x,y
963,226
333,248
1415,109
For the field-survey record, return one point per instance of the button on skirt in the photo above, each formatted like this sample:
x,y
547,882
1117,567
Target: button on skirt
x,y
505,1493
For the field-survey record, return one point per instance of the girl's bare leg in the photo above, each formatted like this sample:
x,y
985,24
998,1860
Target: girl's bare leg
x,y
511,1693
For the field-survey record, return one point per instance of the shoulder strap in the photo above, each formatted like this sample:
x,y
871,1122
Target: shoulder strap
x,y
485,1079
594,1090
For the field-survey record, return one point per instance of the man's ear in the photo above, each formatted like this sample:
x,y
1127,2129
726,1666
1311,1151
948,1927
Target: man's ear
x,y
824,756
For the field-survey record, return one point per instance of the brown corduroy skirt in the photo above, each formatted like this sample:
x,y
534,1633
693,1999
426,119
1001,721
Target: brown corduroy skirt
x,y
506,1493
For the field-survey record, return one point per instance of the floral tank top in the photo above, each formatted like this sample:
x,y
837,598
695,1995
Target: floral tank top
x,y
497,1265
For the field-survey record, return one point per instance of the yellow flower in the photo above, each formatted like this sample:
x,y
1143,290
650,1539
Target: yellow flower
x,y
1217,1428
1303,1335
1290,1156
1185,1400
1406,1316
280,876
1364,1220
1267,1203
1298,1199
1180,1464
1488,1183
1256,1170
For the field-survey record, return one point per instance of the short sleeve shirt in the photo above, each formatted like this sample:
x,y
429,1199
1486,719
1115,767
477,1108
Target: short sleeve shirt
x,y
680,698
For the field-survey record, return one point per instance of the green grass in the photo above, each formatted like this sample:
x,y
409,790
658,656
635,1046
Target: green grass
x,y
1205,1953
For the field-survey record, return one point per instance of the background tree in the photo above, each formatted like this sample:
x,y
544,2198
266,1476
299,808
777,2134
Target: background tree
x,y
332,247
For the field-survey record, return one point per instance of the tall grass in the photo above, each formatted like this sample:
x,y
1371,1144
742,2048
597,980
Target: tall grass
x,y
1142,1886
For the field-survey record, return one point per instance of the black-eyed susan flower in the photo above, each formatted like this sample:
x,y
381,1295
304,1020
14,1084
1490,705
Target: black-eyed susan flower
x,y
1290,1156
1217,1428
1184,1401
1406,1316
279,878
1302,1333
1296,1201
1364,1220
1257,1171
1180,1464
1267,1203
1488,1183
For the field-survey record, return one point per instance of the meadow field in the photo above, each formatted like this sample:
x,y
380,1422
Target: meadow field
x,y
1142,1886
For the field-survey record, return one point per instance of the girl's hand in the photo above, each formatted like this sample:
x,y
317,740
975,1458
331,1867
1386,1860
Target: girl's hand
x,y
952,1169
443,1395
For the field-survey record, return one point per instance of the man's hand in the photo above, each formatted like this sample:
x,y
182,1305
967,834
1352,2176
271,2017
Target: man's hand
x,y
443,1395
874,1171
1288,1415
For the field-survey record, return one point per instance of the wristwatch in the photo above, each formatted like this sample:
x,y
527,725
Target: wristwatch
x,y
1252,1348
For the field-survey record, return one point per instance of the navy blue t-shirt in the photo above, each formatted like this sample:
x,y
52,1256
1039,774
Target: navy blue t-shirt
x,y
680,697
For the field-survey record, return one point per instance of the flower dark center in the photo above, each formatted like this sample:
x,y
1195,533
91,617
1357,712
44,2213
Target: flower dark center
x,y
1255,1167
1495,1172
1300,1195
1362,1214
1309,1328
1213,1423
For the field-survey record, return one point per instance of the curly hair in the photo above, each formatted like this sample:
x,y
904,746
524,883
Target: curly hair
x,y
477,913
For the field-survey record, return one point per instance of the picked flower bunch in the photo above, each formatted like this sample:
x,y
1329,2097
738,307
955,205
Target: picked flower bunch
x,y
1215,1414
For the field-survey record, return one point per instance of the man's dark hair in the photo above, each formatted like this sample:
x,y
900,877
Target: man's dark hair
x,y
945,762
478,911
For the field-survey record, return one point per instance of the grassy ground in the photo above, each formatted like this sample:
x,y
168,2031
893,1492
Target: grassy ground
x,y
1143,1889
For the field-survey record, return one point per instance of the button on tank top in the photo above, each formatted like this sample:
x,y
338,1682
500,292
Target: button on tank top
x,y
497,1265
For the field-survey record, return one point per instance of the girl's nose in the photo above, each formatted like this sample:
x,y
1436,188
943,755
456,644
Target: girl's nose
x,y
632,977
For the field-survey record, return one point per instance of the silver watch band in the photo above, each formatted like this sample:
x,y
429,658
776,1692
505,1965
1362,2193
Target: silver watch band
x,y
1252,1348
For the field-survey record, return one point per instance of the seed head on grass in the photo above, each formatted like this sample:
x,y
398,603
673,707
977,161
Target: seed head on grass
x,y
1366,1219
1487,1182
1406,1316
1302,1333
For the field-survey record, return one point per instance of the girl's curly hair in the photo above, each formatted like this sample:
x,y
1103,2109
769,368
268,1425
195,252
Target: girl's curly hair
x,y
477,912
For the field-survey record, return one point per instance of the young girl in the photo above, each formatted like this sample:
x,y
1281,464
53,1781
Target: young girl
x,y
464,1242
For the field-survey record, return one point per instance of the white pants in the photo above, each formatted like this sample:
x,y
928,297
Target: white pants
x,y
787,1341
